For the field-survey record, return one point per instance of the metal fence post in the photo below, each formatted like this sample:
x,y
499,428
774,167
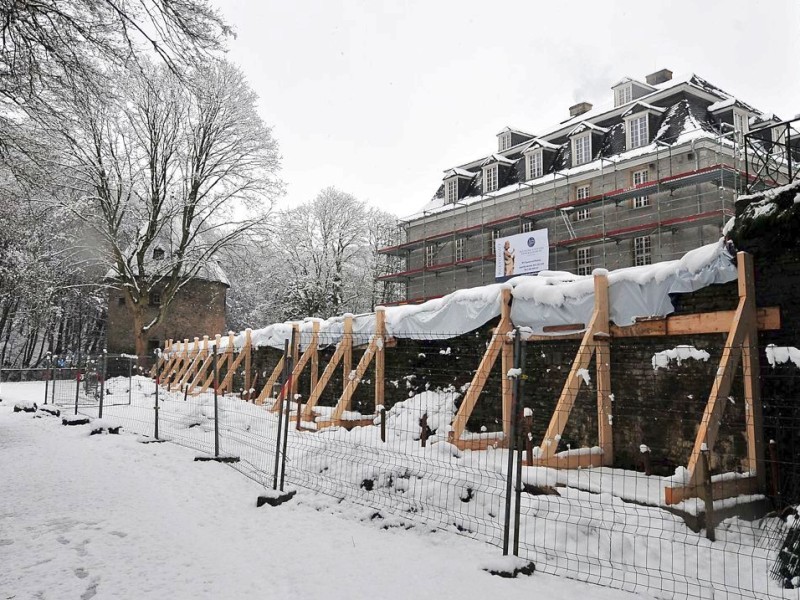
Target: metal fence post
x,y
155,408
290,361
46,385
53,392
103,383
77,387
280,415
511,445
216,407
130,380
519,350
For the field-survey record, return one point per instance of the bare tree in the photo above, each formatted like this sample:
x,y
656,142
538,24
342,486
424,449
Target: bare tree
x,y
169,178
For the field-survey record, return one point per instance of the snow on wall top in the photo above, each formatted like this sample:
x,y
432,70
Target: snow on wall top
x,y
549,298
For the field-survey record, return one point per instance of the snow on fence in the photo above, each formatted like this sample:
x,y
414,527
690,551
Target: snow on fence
x,y
405,412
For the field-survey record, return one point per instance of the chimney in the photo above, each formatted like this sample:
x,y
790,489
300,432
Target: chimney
x,y
659,77
579,109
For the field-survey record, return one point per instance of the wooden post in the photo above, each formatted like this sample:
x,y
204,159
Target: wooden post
x,y
605,415
483,371
248,340
229,355
315,356
380,334
296,362
201,371
506,363
227,383
347,396
301,363
344,348
191,365
347,359
209,379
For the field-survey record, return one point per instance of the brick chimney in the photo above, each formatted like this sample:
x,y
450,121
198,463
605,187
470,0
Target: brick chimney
x,y
659,77
579,109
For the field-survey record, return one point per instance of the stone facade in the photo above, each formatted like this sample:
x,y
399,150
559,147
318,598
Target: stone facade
x,y
198,309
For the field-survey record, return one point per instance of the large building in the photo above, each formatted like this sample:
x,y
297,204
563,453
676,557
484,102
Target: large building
x,y
645,178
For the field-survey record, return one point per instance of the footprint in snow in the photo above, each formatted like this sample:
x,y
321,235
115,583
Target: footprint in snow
x,y
62,540
6,542
119,534
90,592
81,573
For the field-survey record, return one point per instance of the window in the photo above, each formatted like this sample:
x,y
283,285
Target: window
x,y
121,301
582,192
640,177
641,251
637,132
155,298
158,253
740,125
623,95
584,261
527,227
581,149
582,214
492,239
452,191
490,179
535,165
430,254
504,141
459,249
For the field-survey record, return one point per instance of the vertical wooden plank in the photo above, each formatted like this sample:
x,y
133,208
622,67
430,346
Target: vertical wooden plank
x,y
248,341
347,358
316,393
295,361
605,416
352,383
210,378
315,358
380,334
506,361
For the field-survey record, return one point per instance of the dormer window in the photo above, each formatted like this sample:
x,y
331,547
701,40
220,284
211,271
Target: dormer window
x,y
451,191
504,141
489,178
623,94
158,253
741,125
535,164
638,134
581,149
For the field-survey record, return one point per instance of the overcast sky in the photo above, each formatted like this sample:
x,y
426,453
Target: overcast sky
x,y
379,98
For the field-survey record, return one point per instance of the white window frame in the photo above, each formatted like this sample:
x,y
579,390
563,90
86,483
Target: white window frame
x,y
430,255
490,178
638,178
451,190
741,125
582,214
493,237
582,192
527,227
586,154
638,131
504,141
642,251
584,261
535,164
623,94
458,253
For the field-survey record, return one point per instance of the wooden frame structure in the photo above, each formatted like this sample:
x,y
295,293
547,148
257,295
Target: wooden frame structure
x,y
499,345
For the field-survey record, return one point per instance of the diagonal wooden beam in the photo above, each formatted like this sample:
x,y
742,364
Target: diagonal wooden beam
x,y
270,383
344,348
352,382
220,363
192,365
227,383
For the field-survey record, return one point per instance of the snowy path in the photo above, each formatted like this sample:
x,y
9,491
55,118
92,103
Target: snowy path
x,y
107,517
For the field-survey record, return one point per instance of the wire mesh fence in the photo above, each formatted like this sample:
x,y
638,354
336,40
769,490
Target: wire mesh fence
x,y
593,477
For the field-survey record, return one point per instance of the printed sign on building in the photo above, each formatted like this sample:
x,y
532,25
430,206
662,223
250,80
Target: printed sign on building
x,y
521,254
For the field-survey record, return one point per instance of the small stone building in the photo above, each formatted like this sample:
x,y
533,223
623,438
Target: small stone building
x,y
198,309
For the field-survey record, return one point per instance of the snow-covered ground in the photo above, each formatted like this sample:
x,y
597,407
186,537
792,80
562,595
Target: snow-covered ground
x,y
105,516
587,531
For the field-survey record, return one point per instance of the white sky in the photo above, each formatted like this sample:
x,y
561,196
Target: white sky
x,y
379,98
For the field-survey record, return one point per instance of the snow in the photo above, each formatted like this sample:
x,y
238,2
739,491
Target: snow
x,y
584,374
778,355
143,521
661,360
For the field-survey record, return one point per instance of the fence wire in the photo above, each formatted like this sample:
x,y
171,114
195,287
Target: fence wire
x,y
604,519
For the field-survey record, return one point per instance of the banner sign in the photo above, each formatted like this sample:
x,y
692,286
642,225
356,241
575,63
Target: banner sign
x,y
521,254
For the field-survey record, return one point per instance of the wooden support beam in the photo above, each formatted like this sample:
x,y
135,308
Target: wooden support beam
x,y
168,361
300,364
198,368
295,350
380,363
483,371
767,319
210,378
720,489
569,460
206,364
270,383
742,326
227,383
344,348
602,345
347,358
352,383
183,360
191,367
315,364
248,362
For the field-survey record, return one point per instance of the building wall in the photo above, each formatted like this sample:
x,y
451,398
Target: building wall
x,y
667,243
198,309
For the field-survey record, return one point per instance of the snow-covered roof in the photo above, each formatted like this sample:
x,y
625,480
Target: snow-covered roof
x,y
541,143
587,125
637,105
517,131
497,158
458,172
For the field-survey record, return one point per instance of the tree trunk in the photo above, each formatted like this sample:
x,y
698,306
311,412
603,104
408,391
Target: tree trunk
x,y
139,335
